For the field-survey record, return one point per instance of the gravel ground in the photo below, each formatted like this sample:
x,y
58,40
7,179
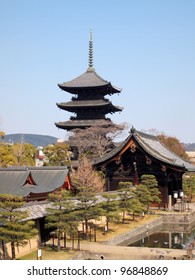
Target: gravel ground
x,y
97,251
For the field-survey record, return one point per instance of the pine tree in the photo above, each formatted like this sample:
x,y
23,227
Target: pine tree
x,y
88,208
189,185
152,184
143,195
110,208
125,193
61,216
14,227
135,207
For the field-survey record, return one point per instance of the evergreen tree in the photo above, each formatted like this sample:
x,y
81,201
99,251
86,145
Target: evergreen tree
x,y
125,193
110,208
61,216
152,184
14,227
189,185
88,208
143,195
135,207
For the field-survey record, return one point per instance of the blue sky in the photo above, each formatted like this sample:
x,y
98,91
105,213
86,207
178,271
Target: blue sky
x,y
145,47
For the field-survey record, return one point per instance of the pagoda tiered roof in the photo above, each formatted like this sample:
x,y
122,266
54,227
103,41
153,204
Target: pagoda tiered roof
x,y
89,79
105,105
75,123
89,105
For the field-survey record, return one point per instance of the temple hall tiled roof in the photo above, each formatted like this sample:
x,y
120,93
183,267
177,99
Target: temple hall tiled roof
x,y
152,145
45,180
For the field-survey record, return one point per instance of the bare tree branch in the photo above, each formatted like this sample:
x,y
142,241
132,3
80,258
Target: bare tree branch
x,y
96,140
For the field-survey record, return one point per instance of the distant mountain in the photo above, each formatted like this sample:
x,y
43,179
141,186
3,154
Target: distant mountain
x,y
45,140
34,139
189,147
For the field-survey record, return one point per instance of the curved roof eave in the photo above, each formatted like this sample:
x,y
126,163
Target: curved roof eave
x,y
156,149
174,161
72,106
89,79
71,124
156,154
113,153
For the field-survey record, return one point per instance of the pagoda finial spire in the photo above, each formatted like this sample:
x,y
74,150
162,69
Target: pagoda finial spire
x,y
90,51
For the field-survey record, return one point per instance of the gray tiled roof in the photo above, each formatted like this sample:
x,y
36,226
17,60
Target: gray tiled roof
x,y
88,79
36,209
157,149
73,105
82,123
152,145
12,180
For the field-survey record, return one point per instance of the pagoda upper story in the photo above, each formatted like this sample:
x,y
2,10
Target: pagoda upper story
x,y
88,103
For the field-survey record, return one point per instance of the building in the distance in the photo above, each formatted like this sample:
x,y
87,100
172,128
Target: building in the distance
x,y
191,156
89,103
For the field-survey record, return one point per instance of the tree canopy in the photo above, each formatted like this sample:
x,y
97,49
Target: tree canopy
x,y
6,157
125,194
14,227
17,155
173,144
110,208
2,134
24,154
58,154
61,216
189,185
151,183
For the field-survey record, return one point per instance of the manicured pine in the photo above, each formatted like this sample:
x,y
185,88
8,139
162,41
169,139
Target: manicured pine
x,y
14,224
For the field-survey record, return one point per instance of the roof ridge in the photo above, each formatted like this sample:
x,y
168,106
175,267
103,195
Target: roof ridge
x,y
158,154
173,152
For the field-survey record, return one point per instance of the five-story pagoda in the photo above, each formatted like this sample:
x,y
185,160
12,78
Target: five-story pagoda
x,y
88,103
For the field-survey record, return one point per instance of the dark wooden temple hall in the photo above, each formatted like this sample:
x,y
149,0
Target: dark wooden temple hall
x,y
141,154
88,102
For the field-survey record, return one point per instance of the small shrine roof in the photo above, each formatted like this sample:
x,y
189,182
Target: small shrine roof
x,y
45,180
153,147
